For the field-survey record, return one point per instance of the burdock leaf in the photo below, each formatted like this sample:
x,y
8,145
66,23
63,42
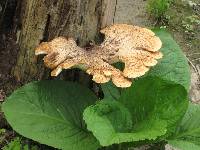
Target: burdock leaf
x,y
50,112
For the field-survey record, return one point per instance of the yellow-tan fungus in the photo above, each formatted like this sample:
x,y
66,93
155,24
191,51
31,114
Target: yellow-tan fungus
x,y
138,48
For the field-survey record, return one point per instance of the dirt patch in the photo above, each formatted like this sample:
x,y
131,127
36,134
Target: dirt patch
x,y
8,54
184,23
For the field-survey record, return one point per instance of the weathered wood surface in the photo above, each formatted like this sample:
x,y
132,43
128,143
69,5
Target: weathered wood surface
x,y
42,20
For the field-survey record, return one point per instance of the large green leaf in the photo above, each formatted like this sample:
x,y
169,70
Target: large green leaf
x,y
188,132
104,113
152,104
173,66
152,96
50,112
110,91
111,123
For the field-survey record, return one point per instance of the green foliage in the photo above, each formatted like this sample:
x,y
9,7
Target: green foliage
x,y
110,90
2,132
158,8
50,112
187,135
14,145
17,144
173,66
137,116
156,102
59,113
191,23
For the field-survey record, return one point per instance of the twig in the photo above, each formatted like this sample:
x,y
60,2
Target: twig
x,y
193,54
193,66
196,59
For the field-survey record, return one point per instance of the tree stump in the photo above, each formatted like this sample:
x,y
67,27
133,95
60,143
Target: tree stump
x,y
43,20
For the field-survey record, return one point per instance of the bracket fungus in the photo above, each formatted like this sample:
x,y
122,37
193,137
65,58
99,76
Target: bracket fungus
x,y
138,48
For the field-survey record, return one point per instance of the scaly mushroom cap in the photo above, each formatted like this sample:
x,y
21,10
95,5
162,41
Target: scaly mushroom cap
x,y
135,46
58,50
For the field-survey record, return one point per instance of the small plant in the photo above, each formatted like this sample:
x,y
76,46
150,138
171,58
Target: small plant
x,y
154,109
2,132
190,23
14,145
158,8
17,144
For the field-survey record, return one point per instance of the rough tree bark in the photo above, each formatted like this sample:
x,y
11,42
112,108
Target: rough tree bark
x,y
42,20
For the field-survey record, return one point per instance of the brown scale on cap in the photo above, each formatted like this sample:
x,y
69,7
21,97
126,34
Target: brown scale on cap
x,y
137,47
